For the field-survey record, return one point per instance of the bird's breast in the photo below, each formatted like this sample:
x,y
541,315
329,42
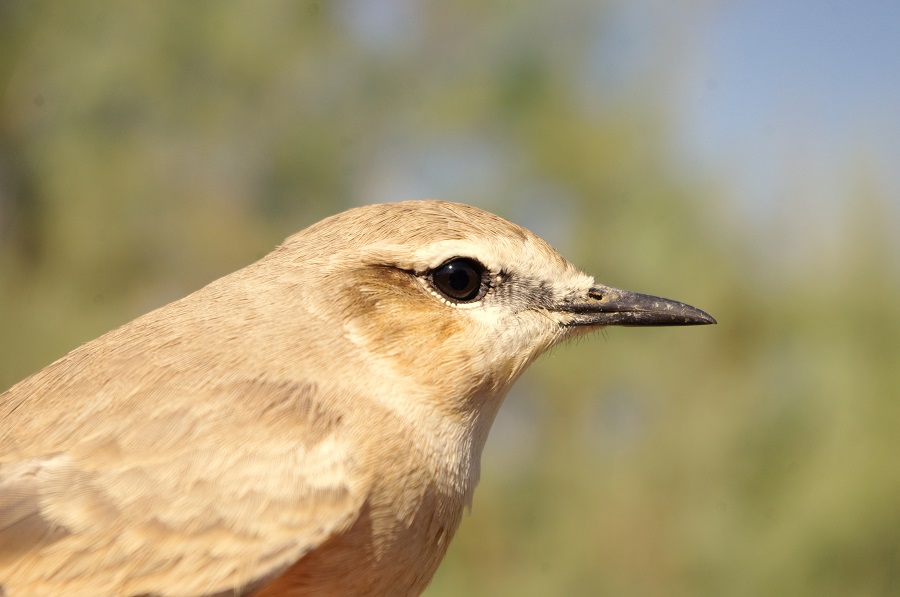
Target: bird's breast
x,y
397,541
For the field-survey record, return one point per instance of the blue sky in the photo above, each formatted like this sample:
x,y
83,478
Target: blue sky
x,y
793,96
785,105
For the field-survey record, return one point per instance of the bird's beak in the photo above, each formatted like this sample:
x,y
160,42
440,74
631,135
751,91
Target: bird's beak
x,y
604,305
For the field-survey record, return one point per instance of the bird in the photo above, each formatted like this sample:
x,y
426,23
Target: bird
x,y
311,424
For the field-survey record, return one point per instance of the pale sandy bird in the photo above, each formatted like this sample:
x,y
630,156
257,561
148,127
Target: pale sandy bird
x,y
309,425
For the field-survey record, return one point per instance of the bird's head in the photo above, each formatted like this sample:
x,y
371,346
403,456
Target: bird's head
x,y
458,299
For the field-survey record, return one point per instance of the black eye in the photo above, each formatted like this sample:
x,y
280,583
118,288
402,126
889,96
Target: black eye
x,y
459,279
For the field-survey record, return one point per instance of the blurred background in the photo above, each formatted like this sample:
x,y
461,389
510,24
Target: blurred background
x,y
741,156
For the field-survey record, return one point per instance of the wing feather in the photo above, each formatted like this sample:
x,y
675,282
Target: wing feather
x,y
189,501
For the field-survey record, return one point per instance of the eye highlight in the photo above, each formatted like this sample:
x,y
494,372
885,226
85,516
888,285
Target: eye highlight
x,y
460,279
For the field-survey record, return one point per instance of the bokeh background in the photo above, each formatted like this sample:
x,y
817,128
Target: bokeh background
x,y
741,156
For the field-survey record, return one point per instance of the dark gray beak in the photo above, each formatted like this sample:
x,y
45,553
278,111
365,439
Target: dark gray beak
x,y
605,305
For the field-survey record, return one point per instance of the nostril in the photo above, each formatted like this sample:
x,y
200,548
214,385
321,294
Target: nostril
x,y
595,294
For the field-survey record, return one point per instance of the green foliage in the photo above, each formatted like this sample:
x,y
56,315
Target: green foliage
x,y
147,148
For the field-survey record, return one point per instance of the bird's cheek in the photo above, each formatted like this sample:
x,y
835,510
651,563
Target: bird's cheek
x,y
412,333
528,335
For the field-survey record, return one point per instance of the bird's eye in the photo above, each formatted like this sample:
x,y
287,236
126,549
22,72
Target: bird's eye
x,y
460,279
